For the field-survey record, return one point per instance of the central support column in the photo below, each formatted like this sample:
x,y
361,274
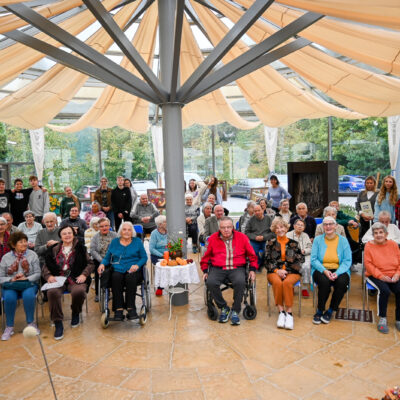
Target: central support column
x,y
172,127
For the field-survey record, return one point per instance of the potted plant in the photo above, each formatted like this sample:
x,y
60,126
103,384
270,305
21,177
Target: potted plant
x,y
175,248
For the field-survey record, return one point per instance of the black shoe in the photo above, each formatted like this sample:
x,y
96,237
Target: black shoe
x,y
132,314
118,315
59,332
316,319
75,321
326,318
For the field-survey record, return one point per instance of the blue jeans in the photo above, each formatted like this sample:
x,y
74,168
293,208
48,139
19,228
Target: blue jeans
x,y
110,216
10,303
259,247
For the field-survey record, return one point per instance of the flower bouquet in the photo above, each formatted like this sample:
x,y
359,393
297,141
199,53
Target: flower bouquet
x,y
175,248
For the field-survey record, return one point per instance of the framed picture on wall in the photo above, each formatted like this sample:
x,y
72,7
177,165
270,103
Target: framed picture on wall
x,y
157,197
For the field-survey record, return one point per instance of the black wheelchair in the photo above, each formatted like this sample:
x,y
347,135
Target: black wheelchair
x,y
249,298
105,296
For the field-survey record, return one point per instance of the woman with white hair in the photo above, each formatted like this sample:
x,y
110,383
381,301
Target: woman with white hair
x,y
330,267
30,228
89,233
201,219
127,256
191,214
382,268
158,243
330,212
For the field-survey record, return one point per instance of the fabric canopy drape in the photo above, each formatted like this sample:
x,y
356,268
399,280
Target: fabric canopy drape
x,y
37,143
158,150
271,143
394,140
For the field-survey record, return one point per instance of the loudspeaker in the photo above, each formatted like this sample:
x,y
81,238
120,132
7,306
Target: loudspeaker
x,y
314,183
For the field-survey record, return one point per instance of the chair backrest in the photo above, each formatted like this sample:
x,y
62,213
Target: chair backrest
x,y
318,220
139,231
237,225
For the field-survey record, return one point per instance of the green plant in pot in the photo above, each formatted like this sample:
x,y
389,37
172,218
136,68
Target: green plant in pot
x,y
175,248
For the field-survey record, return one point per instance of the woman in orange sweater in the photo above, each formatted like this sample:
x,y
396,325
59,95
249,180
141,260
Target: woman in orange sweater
x,y
284,260
382,265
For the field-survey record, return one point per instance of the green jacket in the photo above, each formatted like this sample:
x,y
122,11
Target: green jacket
x,y
67,203
343,219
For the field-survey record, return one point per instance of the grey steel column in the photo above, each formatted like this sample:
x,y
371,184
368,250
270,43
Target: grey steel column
x,y
214,132
172,127
329,138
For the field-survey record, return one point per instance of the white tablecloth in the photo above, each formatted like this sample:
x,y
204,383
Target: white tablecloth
x,y
171,276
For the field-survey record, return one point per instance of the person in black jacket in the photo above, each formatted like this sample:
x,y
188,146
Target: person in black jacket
x,y
70,259
302,213
121,201
19,201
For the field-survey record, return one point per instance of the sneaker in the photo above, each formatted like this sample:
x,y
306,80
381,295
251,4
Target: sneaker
x,y
34,326
316,319
96,299
59,331
289,324
382,325
132,314
326,317
305,293
118,315
281,320
224,316
397,325
8,332
159,292
235,320
75,321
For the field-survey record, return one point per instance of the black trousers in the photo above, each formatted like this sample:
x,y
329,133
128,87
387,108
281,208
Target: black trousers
x,y
119,281
118,220
324,289
237,277
385,288
96,277
192,232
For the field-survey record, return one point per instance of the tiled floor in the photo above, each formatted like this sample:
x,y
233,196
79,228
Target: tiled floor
x,y
190,357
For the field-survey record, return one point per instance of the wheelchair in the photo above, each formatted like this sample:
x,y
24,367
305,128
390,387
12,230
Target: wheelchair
x,y
144,293
249,298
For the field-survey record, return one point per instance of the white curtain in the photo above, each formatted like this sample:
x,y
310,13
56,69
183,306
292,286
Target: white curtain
x,y
156,134
37,142
271,142
393,139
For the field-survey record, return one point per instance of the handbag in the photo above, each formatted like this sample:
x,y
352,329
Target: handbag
x,y
18,286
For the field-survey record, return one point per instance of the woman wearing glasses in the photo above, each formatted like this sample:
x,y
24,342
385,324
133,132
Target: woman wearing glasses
x,y
330,266
127,257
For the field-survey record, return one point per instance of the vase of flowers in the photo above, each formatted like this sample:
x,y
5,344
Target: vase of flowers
x,y
175,248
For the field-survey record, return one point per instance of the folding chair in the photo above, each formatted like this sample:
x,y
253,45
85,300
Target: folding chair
x,y
297,284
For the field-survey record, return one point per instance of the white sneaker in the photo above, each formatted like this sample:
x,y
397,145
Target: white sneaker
x,y
289,322
281,320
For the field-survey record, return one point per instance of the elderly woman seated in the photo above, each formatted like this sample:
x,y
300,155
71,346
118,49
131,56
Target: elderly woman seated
x,y
94,212
330,266
127,256
201,219
91,231
330,212
30,228
283,259
382,268
19,276
305,245
68,259
158,243
248,213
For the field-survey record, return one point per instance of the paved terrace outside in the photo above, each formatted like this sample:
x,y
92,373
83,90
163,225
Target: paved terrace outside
x,y
191,357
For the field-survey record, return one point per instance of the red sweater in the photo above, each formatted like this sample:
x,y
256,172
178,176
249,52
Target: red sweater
x,y
216,252
382,259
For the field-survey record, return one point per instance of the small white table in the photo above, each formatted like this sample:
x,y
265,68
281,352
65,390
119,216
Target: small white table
x,y
168,277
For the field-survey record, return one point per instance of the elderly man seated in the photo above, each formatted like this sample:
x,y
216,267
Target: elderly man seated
x,y
144,213
211,225
393,232
47,237
226,257
302,213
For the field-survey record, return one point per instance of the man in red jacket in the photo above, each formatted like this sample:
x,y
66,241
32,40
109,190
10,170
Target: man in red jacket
x,y
226,256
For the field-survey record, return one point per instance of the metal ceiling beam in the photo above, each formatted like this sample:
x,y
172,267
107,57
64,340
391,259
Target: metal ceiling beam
x,y
223,47
258,63
76,63
82,49
211,7
112,28
189,11
177,48
138,13
255,52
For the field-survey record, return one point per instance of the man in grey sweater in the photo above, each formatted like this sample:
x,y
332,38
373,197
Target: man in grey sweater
x,y
47,237
38,199
258,231
144,213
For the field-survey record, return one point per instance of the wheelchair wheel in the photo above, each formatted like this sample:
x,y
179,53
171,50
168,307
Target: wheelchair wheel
x,y
249,312
205,295
147,295
253,294
104,321
143,316
212,312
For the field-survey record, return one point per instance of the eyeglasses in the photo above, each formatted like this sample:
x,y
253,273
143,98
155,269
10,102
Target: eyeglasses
x,y
328,224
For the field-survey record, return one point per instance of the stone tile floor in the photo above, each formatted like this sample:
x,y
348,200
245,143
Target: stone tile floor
x,y
191,357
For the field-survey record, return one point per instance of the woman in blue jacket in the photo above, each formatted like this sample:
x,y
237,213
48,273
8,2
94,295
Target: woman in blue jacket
x,y
127,257
330,266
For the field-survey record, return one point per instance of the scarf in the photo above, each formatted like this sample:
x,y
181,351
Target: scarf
x,y
65,261
20,260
